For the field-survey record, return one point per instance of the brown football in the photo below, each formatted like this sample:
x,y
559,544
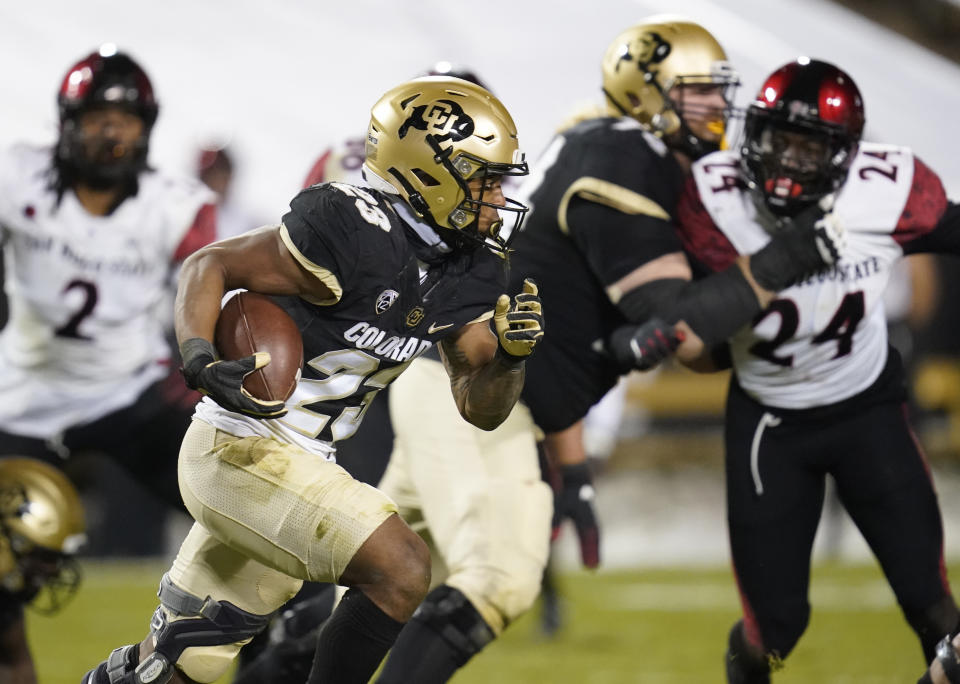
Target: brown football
x,y
251,322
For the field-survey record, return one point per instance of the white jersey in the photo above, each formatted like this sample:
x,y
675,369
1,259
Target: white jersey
x,y
88,295
823,339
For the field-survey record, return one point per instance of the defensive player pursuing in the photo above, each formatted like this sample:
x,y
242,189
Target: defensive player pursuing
x,y
817,390
602,244
41,528
92,238
373,277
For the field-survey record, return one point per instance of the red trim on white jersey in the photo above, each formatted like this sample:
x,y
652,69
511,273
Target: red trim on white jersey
x,y
699,234
925,205
202,232
319,170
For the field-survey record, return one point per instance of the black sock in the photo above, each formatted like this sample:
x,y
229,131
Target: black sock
x,y
420,655
353,641
444,633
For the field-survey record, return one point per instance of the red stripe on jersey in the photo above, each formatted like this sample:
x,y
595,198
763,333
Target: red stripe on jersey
x,y
701,238
925,205
201,233
318,172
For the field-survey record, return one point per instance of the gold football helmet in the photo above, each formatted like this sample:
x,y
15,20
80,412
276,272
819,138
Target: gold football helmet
x,y
41,528
427,138
645,62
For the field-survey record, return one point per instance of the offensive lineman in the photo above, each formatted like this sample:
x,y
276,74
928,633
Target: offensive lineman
x,y
817,389
374,278
601,241
92,240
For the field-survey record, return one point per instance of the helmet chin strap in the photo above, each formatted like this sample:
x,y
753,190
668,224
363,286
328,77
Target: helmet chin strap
x,y
449,238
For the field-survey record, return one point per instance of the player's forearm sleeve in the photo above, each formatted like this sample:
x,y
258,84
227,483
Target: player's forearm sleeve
x,y
714,307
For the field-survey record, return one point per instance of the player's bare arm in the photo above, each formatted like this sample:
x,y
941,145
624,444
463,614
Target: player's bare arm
x,y
486,369
257,261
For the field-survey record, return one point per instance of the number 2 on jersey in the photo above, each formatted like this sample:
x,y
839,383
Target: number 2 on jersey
x,y
71,328
840,328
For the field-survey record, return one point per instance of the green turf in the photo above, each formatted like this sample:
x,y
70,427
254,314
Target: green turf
x,y
657,627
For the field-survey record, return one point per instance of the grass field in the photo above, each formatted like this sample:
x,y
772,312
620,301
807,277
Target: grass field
x,y
656,626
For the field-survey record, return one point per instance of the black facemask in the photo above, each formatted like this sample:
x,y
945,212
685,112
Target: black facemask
x,y
98,162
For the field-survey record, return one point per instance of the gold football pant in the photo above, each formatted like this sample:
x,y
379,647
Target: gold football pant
x,y
268,516
475,496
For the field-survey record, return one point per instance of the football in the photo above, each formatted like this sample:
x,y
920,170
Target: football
x,y
251,322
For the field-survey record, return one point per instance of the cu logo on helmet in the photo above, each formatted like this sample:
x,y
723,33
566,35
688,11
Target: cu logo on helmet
x,y
444,118
649,48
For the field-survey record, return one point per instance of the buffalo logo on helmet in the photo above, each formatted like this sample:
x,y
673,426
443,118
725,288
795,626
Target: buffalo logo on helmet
x,y
649,48
385,300
445,118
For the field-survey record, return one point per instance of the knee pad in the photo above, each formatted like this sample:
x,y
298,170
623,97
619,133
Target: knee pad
x,y
200,636
451,615
182,622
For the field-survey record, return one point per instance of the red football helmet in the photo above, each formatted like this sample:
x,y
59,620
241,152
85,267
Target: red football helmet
x,y
801,134
105,78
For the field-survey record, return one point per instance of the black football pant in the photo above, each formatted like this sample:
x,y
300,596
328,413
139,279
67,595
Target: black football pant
x,y
776,466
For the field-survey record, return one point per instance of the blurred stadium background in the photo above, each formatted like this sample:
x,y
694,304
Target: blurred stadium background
x,y
280,82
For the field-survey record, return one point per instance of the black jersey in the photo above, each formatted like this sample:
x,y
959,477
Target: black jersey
x,y
388,307
601,206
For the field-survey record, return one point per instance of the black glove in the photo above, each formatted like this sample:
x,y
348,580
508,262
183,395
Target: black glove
x,y
573,500
222,381
519,323
645,346
805,244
